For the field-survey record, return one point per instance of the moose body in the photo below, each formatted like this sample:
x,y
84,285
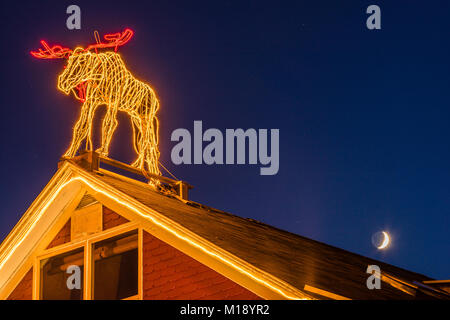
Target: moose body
x,y
102,79
106,81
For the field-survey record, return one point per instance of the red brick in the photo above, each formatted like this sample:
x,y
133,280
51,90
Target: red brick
x,y
23,290
62,237
177,276
112,219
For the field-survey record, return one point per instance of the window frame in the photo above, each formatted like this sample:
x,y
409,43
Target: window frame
x,y
87,244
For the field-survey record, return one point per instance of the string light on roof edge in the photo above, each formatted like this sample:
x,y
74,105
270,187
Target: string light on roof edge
x,y
101,78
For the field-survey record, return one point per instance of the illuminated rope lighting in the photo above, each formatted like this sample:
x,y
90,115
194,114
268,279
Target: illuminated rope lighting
x,y
102,79
155,221
38,217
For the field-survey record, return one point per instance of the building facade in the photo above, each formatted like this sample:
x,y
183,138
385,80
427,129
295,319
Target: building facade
x,y
96,234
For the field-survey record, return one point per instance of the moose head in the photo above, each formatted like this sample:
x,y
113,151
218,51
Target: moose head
x,y
83,65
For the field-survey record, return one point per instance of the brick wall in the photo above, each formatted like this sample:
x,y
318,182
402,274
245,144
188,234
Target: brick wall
x,y
112,219
170,274
24,289
62,237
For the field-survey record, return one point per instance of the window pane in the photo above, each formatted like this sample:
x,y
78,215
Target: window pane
x,y
55,281
116,267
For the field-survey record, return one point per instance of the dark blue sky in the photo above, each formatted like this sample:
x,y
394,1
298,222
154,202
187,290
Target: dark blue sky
x,y
363,115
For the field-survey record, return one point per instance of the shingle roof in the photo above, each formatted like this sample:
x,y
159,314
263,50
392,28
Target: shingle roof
x,y
292,258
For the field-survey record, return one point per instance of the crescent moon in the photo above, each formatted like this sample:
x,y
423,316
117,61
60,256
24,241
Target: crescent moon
x,y
385,241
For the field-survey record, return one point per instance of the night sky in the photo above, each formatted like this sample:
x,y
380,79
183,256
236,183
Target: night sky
x,y
363,115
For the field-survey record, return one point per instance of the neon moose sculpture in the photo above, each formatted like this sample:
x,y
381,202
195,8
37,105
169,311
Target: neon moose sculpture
x,y
101,78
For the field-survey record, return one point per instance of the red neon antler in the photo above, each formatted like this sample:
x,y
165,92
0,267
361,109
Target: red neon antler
x,y
114,40
55,52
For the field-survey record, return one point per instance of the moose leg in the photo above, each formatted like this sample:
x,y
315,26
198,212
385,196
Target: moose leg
x,y
108,127
89,144
80,130
151,151
148,159
136,124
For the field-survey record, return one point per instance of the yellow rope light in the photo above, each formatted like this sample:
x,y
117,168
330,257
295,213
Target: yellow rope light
x,y
102,79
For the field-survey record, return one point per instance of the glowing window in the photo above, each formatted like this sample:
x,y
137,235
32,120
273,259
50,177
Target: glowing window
x,y
59,284
115,267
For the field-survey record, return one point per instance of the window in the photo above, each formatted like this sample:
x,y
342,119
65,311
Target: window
x,y
54,276
116,267
112,268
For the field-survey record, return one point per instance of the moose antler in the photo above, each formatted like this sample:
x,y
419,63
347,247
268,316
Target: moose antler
x,y
114,40
55,52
